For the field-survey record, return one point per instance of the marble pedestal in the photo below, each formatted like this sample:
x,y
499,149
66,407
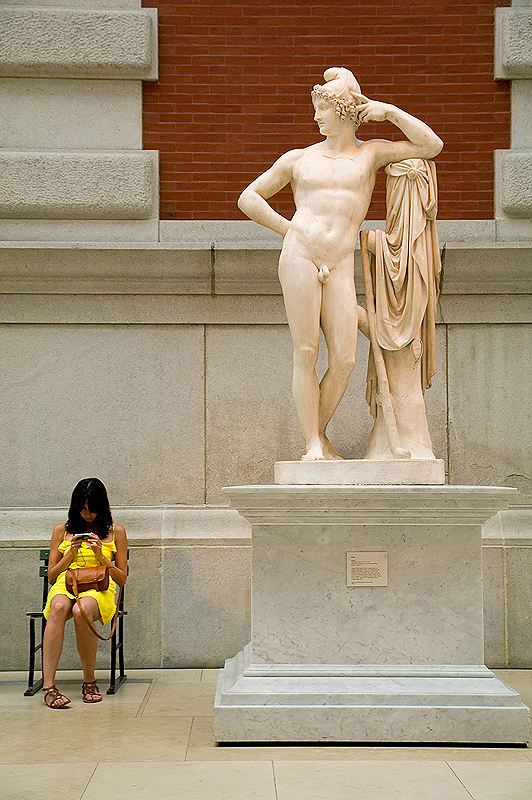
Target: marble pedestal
x,y
395,663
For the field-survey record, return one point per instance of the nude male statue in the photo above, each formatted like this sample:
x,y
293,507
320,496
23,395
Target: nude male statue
x,y
332,182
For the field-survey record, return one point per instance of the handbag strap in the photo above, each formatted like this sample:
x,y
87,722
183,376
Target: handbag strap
x,y
85,617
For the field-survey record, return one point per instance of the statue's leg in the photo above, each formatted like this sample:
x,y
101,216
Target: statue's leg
x,y
302,297
339,321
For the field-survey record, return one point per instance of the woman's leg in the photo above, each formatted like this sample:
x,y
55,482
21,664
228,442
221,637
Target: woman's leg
x,y
86,641
302,297
60,611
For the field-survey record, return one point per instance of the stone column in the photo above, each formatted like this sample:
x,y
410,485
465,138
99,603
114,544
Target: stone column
x,y
396,657
73,168
513,168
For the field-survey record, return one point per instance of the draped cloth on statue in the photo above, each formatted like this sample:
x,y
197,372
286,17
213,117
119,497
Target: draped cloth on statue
x,y
406,268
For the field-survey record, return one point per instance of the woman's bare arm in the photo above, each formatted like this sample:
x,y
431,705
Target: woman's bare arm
x,y
58,563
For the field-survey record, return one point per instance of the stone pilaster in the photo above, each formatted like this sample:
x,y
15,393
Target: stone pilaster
x,y
513,168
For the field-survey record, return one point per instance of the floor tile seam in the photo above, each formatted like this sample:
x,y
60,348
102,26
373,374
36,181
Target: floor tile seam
x,y
196,756
274,780
90,779
146,697
188,739
460,780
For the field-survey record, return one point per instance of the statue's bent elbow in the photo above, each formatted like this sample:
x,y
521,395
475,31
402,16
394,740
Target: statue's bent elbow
x,y
243,201
437,147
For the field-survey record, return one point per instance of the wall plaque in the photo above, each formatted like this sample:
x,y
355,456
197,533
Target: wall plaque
x,y
367,568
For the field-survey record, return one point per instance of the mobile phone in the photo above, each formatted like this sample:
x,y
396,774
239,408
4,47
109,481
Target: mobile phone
x,y
83,536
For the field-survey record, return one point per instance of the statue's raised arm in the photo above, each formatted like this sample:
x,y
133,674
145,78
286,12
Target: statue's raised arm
x,y
421,142
332,182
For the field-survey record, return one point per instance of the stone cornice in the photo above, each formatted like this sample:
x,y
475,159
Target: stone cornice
x,y
369,505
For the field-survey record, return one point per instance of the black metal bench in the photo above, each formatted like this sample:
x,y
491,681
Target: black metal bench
x,y
117,639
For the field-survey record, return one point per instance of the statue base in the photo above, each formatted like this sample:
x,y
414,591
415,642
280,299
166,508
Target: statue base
x,y
368,703
361,471
366,610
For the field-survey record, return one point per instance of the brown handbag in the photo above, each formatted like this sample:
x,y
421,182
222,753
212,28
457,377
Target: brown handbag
x,y
85,578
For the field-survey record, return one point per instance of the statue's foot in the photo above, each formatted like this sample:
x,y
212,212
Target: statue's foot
x,y
329,452
314,453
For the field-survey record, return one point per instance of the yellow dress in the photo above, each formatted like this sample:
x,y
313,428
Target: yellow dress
x,y
86,558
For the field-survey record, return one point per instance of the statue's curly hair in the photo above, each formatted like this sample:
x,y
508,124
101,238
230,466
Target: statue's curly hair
x,y
342,90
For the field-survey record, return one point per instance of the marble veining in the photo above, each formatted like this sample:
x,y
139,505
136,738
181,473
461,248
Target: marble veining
x,y
302,610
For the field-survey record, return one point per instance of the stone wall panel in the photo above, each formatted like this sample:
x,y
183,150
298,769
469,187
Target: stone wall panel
x,y
123,403
61,185
100,268
76,43
514,178
494,606
205,604
490,422
518,570
513,38
50,113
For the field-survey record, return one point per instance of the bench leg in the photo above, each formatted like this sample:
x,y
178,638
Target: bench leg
x,y
33,685
112,682
121,649
115,683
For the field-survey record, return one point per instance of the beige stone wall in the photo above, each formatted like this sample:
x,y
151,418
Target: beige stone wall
x,y
169,397
187,596
156,355
140,364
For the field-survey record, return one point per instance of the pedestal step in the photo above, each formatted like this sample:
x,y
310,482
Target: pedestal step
x,y
432,704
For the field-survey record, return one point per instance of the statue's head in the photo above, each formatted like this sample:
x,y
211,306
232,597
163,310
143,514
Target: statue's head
x,y
342,90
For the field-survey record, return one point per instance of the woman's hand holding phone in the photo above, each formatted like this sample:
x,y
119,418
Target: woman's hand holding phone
x,y
95,544
79,538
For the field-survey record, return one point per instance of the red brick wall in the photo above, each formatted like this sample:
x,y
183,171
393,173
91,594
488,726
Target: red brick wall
x,y
235,78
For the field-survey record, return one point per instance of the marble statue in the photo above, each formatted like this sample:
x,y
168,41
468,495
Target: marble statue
x,y
332,183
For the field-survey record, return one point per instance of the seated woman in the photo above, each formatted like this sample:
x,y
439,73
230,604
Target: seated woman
x,y
88,538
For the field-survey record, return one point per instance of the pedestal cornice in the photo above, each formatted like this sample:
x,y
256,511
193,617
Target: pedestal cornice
x,y
386,505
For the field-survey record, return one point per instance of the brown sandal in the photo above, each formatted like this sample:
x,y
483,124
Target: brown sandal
x,y
90,688
54,694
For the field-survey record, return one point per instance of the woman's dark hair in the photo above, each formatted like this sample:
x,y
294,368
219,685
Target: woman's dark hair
x,y
93,492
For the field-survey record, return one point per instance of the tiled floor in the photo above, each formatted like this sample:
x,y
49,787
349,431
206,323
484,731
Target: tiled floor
x,y
153,741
